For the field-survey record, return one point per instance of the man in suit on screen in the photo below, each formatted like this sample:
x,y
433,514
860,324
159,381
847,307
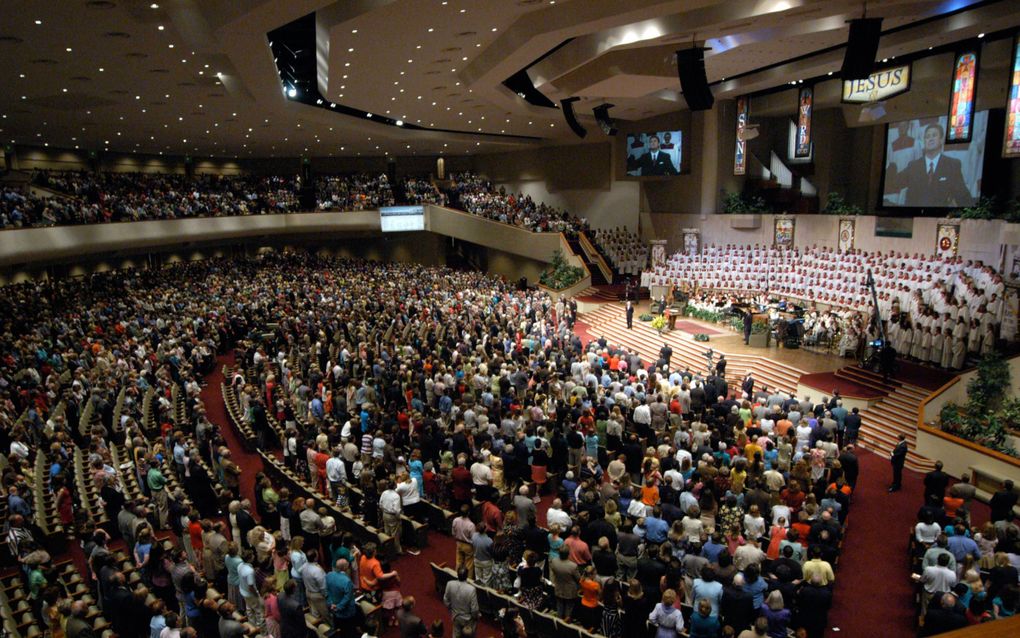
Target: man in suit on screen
x,y
934,179
656,161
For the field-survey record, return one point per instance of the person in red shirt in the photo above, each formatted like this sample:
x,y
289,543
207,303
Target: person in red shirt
x,y
461,484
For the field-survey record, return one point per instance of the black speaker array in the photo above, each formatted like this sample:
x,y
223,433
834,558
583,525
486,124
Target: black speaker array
x,y
861,48
690,66
606,123
568,114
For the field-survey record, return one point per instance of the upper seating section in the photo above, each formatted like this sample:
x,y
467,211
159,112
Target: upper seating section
x,y
353,192
478,196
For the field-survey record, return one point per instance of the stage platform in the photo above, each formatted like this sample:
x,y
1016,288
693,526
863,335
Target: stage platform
x,y
888,407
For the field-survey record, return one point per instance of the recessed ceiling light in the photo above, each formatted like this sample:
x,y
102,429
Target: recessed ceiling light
x,y
38,21
981,35
68,49
493,29
350,50
431,29
170,46
153,6
101,69
161,27
21,75
463,10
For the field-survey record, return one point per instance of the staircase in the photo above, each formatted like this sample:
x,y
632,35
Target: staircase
x,y
610,321
597,278
896,414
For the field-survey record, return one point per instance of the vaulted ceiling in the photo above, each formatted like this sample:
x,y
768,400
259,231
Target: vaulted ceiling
x,y
198,76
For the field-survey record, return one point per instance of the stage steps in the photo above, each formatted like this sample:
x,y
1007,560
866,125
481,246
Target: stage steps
x,y
609,322
896,414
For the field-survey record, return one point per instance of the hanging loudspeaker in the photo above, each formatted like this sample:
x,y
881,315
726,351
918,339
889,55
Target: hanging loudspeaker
x,y
861,48
568,114
690,67
606,123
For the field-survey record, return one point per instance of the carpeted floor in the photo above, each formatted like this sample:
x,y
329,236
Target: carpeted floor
x,y
825,382
926,377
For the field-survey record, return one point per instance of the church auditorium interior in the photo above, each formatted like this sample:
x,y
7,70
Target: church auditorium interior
x,y
509,318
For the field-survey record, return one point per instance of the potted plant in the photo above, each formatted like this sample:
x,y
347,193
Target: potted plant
x,y
659,323
560,274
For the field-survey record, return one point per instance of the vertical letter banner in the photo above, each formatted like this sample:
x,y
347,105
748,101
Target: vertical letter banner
x,y
947,240
805,105
784,232
1011,141
740,155
961,98
658,247
847,233
692,239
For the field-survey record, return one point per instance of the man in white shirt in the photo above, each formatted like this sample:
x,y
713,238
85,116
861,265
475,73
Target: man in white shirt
x,y
336,473
557,516
391,509
481,473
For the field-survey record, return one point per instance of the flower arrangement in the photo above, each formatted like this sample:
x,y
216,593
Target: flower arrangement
x,y
659,323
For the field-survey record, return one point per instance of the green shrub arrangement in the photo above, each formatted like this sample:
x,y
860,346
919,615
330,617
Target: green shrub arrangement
x,y
645,317
703,315
991,208
737,203
560,274
986,417
758,326
835,204
701,336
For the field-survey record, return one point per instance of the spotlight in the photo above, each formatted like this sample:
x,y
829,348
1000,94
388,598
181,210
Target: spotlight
x,y
291,92
400,122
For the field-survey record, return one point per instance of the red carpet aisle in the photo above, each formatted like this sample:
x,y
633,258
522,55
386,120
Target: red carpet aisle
x,y
873,589
415,576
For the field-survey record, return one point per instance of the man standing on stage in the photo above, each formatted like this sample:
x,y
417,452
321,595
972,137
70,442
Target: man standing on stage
x,y
899,457
630,315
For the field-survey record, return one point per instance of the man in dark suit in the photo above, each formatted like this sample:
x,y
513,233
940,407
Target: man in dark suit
x,y
656,161
747,387
934,179
630,316
720,366
899,457
77,625
666,353
936,482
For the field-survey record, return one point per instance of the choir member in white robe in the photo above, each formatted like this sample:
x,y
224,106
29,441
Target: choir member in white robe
x,y
988,340
947,350
917,336
959,354
925,345
937,339
974,338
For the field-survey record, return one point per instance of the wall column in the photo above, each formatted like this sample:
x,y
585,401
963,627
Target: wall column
x,y
709,159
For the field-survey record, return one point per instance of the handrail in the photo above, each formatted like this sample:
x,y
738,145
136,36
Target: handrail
x,y
600,261
938,432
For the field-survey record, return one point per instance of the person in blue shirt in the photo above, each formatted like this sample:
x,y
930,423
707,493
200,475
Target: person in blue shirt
x,y
755,585
340,593
591,445
960,544
656,529
704,623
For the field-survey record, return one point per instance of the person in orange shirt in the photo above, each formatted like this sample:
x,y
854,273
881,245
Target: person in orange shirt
x,y
783,426
650,495
589,615
370,572
952,506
